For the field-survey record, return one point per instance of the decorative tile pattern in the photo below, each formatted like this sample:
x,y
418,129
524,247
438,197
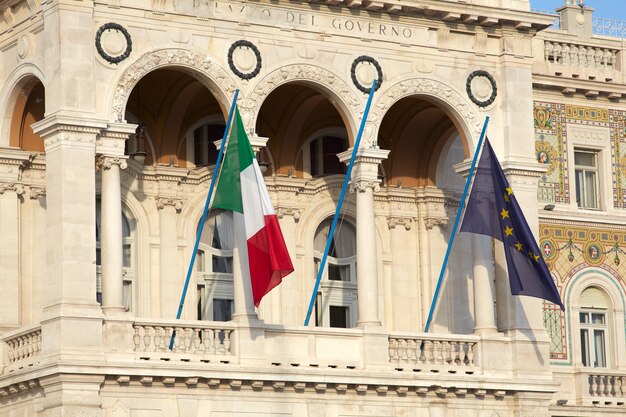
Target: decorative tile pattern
x,y
550,147
568,250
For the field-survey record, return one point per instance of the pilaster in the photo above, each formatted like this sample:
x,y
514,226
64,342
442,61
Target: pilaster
x,y
72,323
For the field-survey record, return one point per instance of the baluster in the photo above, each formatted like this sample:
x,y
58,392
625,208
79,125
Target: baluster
x,y
157,338
593,386
590,57
620,388
11,345
31,340
547,50
218,342
393,350
169,331
38,342
601,386
612,385
188,339
180,338
227,341
455,346
402,351
447,357
566,54
136,338
20,351
412,351
558,50
196,340
470,353
439,352
598,57
422,355
575,55
613,58
147,338
430,358
582,56
208,341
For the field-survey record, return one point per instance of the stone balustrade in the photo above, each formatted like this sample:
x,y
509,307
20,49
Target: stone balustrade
x,y
428,352
200,340
22,347
579,55
607,386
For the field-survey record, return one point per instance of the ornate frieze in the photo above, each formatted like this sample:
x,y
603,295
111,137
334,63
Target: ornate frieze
x,y
167,57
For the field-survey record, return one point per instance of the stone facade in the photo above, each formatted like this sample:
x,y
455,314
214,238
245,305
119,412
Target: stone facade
x,y
109,115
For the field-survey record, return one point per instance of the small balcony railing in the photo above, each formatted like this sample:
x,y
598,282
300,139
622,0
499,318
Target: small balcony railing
x,y
22,348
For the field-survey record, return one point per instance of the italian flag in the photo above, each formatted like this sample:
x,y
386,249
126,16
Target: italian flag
x,y
241,188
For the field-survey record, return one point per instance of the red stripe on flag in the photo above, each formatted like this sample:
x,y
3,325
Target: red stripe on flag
x,y
268,257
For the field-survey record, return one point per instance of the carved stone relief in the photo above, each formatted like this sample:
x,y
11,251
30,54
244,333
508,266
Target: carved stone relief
x,y
169,57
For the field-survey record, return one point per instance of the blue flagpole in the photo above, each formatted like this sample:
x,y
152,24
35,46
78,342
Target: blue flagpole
x,y
456,225
216,171
341,197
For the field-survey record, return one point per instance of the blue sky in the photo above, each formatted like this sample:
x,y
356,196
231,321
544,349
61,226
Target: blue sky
x,y
610,9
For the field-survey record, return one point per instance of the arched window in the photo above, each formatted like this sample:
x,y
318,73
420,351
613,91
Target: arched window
x,y
336,301
594,335
214,268
128,263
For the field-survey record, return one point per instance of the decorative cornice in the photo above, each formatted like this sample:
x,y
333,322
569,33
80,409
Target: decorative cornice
x,y
431,222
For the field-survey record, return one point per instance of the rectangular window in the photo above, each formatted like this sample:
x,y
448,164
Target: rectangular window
x,y
222,309
339,316
586,176
593,338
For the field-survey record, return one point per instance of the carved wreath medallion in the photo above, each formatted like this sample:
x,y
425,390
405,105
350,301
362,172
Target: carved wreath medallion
x,y
113,42
363,74
244,56
481,88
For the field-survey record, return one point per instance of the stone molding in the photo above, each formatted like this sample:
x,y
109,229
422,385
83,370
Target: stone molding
x,y
169,58
432,88
342,91
19,189
431,222
177,203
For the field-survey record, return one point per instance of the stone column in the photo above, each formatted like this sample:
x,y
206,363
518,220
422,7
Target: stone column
x,y
484,291
365,182
72,322
110,144
111,236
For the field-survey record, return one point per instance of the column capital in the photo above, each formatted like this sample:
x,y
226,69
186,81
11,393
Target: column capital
x,y
106,162
365,156
288,211
394,221
361,185
12,186
162,202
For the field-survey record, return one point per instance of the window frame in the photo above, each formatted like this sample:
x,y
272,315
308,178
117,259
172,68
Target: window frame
x,y
584,169
338,132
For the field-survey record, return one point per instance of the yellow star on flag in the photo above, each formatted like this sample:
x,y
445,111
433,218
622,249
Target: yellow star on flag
x,y
536,257
519,246
508,231
504,213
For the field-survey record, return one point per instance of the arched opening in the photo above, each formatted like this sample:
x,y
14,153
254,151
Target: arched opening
x,y
305,131
593,319
418,133
30,106
181,117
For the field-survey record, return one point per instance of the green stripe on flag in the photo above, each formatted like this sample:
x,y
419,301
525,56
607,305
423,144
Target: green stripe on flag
x,y
238,156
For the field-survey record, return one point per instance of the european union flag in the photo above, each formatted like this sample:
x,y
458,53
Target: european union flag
x,y
492,210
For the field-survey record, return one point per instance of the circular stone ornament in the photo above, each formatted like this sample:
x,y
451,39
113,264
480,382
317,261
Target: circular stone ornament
x,y
244,59
363,75
481,88
113,43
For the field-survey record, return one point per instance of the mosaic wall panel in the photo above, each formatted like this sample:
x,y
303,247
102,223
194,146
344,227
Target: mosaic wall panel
x,y
568,250
551,121
551,146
